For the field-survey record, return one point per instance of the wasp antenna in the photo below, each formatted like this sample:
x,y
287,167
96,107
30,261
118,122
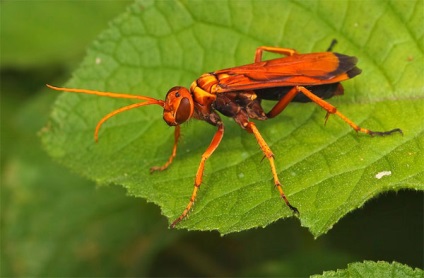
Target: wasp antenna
x,y
149,101
332,44
100,93
120,110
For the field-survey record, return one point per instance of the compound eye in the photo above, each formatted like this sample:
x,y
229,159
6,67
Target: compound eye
x,y
184,110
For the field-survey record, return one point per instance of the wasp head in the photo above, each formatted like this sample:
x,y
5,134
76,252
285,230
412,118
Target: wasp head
x,y
178,107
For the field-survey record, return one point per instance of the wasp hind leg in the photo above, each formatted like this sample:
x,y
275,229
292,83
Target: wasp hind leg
x,y
173,154
277,50
333,110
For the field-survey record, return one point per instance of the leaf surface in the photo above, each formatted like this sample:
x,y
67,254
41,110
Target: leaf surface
x,y
326,171
374,269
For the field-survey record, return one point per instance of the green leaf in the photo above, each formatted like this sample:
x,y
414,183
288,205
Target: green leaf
x,y
375,269
327,171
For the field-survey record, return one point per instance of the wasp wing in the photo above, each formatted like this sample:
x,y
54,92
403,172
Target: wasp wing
x,y
300,69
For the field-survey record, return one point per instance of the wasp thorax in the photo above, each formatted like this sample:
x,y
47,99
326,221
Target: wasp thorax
x,y
178,107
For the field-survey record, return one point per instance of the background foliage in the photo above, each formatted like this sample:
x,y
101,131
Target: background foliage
x,y
75,228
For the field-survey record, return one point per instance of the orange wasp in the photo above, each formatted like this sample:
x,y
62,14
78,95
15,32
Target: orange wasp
x,y
237,93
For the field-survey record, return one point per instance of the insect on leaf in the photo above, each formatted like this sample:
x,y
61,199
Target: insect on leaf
x,y
326,171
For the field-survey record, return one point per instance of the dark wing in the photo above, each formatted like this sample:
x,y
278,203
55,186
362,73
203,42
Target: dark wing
x,y
300,69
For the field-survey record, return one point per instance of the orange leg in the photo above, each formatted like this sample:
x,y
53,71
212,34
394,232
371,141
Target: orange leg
x,y
251,127
333,110
278,50
282,103
282,51
174,152
199,175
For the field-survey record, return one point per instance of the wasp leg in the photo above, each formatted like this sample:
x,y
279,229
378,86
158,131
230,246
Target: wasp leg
x,y
251,127
333,110
173,154
282,103
199,175
278,50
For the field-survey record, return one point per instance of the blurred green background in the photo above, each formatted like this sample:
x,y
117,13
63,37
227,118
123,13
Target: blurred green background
x,y
55,223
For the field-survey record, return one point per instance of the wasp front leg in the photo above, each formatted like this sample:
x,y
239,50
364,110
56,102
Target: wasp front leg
x,y
173,154
199,175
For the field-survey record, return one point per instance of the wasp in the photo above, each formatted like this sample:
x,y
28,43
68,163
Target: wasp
x,y
237,93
